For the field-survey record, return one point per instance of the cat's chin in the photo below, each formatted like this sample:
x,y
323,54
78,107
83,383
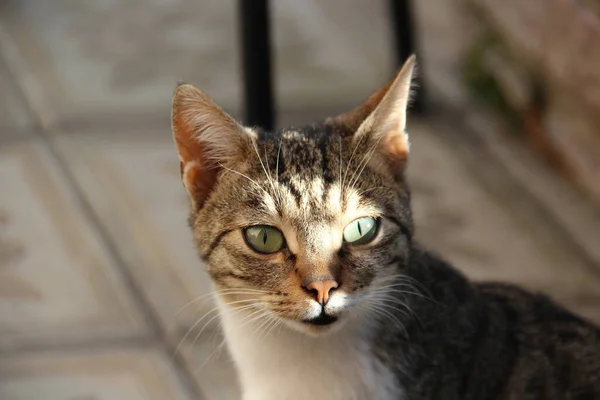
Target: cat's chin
x,y
317,327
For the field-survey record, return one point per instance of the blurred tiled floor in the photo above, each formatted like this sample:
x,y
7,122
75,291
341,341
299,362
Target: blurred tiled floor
x,y
96,262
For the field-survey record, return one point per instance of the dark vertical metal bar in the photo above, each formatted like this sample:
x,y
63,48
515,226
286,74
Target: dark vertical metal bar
x,y
256,61
405,42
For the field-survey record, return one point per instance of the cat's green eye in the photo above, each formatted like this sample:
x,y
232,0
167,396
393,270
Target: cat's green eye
x,y
264,239
361,230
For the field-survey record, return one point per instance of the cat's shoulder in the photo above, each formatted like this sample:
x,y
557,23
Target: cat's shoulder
x,y
555,348
539,319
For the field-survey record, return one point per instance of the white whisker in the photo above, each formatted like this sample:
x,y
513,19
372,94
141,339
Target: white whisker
x,y
204,327
391,317
264,325
245,176
364,163
236,311
217,349
191,329
373,188
409,282
275,192
392,289
254,146
277,162
249,318
408,313
340,137
234,291
351,158
277,323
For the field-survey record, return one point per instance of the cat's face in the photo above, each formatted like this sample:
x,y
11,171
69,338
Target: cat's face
x,y
306,225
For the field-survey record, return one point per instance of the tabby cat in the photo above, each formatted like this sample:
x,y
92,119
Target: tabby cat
x,y
307,235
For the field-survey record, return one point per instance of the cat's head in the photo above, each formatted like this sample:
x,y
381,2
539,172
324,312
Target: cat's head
x,y
309,225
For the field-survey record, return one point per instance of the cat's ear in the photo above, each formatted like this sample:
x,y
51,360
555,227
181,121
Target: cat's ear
x,y
207,139
350,121
385,126
382,118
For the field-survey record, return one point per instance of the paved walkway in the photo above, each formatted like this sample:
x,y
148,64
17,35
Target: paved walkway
x,y
96,261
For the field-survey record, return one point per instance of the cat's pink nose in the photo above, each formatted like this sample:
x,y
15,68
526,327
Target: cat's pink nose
x,y
321,289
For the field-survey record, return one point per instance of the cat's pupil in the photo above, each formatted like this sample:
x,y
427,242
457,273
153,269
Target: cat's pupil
x,y
358,227
265,235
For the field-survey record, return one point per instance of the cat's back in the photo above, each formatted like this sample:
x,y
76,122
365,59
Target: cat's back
x,y
557,354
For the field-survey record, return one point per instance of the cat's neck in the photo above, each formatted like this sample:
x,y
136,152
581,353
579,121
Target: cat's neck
x,y
286,364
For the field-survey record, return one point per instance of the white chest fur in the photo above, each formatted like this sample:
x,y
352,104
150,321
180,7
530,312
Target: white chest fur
x,y
288,365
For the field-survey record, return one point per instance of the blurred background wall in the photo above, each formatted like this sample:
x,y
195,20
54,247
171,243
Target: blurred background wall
x,y
537,65
100,287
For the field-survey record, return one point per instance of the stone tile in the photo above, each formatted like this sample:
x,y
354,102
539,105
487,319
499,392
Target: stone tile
x,y
136,374
481,235
57,284
106,59
115,59
133,183
210,364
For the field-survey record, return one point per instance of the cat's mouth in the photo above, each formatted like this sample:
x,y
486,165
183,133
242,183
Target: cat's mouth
x,y
322,320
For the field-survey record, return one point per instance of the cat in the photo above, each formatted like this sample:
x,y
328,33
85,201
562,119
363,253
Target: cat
x,y
307,236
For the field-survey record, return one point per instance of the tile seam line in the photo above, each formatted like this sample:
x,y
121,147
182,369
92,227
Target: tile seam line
x,y
43,130
102,344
